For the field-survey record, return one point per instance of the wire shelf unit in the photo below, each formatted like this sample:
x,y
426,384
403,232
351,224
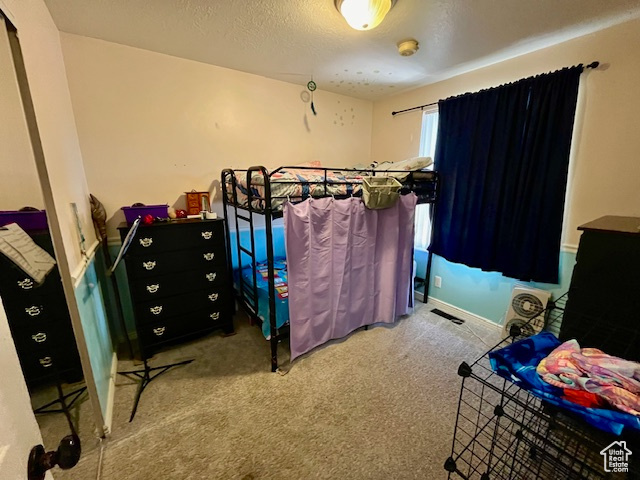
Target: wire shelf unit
x,y
505,432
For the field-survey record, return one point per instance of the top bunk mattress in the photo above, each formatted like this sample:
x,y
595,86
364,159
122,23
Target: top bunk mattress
x,y
294,184
298,183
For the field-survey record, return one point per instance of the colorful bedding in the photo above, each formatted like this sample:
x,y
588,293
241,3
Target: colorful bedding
x,y
518,363
301,183
282,292
295,184
613,379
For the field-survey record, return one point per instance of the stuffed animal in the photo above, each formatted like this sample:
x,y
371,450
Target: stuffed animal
x,y
99,216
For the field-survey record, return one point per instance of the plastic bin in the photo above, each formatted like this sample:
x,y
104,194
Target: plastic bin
x,y
28,220
380,192
131,213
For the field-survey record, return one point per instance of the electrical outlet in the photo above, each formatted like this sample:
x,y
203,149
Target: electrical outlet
x,y
438,282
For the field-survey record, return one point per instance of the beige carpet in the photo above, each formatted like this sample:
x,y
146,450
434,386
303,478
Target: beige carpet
x,y
379,404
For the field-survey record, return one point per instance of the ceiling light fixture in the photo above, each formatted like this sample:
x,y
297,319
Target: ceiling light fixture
x,y
364,14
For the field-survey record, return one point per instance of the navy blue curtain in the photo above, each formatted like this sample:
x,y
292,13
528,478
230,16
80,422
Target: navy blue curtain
x,y
503,155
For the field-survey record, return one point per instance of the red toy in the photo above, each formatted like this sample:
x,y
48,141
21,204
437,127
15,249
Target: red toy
x,y
181,213
148,219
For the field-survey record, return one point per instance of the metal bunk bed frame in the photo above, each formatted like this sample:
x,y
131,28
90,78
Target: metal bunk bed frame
x,y
247,295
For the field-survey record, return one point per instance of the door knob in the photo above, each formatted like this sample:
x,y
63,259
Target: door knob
x,y
66,456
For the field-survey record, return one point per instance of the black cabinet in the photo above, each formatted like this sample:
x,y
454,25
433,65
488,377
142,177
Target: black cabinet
x,y
39,321
603,304
179,281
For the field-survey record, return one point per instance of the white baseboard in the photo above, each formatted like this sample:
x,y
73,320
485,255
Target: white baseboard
x,y
458,312
112,391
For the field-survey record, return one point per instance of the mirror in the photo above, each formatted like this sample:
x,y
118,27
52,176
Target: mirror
x,y
35,307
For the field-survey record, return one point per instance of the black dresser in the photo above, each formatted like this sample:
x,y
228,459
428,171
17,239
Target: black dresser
x,y
39,321
179,281
603,304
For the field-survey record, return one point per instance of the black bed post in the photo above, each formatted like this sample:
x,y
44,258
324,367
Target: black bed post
x,y
272,288
268,212
432,214
225,204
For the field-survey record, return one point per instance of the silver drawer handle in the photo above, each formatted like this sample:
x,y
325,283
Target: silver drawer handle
x,y
215,315
159,331
153,288
26,284
39,337
33,311
156,310
46,362
146,242
207,235
149,265
208,256
213,297
211,276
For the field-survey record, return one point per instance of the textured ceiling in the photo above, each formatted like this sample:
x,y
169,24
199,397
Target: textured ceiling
x,y
293,40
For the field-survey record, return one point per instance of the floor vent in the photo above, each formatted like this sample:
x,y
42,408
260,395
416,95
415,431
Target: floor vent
x,y
456,320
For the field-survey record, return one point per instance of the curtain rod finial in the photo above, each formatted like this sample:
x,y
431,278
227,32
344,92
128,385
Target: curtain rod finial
x,y
593,64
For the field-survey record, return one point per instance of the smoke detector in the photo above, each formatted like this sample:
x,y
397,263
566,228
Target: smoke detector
x,y
406,48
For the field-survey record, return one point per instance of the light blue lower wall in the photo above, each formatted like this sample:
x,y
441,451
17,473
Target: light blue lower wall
x,y
260,239
96,330
485,294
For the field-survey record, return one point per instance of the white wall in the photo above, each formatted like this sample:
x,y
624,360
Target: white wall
x,y
152,126
19,184
40,44
605,172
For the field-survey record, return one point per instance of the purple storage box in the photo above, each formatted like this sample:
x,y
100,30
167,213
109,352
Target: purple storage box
x,y
26,220
131,213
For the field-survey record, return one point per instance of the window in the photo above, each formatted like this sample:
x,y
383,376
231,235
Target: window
x,y
427,149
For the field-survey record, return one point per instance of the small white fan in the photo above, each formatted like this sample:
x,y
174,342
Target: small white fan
x,y
526,310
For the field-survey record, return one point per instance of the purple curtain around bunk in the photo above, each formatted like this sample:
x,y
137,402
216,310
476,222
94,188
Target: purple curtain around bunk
x,y
348,267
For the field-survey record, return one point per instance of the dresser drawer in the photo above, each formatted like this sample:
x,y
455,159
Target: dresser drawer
x,y
39,338
49,362
15,283
35,305
152,288
173,329
217,299
152,265
176,236
28,312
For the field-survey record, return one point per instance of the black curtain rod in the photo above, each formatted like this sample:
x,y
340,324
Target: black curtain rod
x,y
420,107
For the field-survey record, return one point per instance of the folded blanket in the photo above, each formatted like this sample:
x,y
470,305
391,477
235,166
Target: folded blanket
x,y
613,379
583,398
518,361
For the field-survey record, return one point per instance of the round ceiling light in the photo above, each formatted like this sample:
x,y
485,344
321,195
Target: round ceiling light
x,y
364,14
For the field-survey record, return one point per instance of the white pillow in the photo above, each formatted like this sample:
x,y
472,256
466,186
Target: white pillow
x,y
415,163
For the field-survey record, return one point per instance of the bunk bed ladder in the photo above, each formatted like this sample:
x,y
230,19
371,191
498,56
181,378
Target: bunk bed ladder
x,y
267,209
249,293
242,284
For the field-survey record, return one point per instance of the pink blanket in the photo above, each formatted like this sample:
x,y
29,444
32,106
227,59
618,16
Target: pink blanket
x,y
614,379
